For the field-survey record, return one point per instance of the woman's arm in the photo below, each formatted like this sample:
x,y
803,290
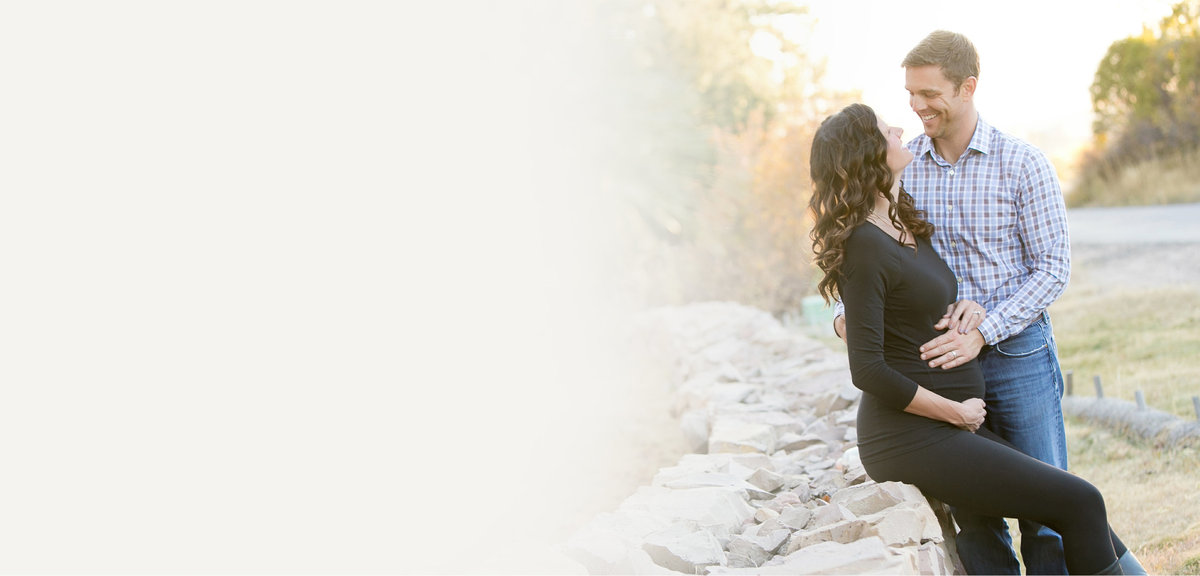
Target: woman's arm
x,y
869,271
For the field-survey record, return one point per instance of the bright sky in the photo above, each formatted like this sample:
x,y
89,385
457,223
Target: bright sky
x,y
1037,57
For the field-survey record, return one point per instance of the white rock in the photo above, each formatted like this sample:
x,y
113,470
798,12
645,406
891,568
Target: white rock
x,y
685,550
694,425
867,498
867,556
764,514
831,514
791,441
737,436
796,517
766,480
705,506
844,532
758,548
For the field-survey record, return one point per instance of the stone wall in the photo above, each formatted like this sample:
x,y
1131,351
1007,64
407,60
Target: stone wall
x,y
774,484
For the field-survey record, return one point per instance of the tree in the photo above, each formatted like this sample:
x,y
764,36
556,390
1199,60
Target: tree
x,y
711,148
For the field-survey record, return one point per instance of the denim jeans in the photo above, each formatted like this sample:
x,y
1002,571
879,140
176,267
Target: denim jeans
x,y
1024,406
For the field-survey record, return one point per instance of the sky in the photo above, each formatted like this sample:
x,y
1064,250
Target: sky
x,y
1037,58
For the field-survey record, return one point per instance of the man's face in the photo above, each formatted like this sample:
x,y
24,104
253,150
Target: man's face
x,y
941,108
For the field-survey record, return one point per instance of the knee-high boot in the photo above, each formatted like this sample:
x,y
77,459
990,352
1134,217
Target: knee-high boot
x,y
1114,568
1129,564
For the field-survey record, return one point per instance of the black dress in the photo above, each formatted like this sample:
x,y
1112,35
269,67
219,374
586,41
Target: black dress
x,y
894,294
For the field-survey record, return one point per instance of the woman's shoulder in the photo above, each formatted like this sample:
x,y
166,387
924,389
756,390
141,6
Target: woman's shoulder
x,y
870,244
867,235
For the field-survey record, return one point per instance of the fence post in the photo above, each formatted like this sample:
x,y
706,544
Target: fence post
x,y
1141,400
1070,382
1099,388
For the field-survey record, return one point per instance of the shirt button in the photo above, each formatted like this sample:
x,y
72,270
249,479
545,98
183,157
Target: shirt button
x,y
953,244
951,171
959,278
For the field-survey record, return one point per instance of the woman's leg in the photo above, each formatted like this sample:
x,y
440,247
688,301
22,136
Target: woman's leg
x,y
988,477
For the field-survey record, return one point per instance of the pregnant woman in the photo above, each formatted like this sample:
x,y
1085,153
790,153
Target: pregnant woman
x,y
917,424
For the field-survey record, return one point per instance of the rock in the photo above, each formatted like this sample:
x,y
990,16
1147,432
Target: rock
x,y
764,514
831,514
840,400
720,394
852,468
796,517
867,556
760,547
783,501
774,484
705,506
904,526
766,480
737,436
684,549
867,498
694,424
791,441
844,532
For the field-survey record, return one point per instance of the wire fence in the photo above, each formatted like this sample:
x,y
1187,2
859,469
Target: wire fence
x,y
1139,396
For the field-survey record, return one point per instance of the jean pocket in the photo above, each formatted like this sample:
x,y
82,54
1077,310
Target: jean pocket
x,y
1030,341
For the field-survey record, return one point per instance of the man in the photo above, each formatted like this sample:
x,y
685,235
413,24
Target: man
x,y
1000,224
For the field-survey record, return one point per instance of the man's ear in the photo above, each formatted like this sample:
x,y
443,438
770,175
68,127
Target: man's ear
x,y
968,87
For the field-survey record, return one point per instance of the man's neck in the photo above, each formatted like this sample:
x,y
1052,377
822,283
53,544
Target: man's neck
x,y
953,146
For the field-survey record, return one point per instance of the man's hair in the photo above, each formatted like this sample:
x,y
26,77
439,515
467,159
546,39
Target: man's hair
x,y
950,51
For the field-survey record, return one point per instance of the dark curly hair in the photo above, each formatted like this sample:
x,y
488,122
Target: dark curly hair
x,y
849,172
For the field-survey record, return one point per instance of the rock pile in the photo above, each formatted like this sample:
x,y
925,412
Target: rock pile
x,y
775,484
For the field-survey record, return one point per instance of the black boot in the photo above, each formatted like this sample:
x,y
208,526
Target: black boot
x,y
1130,565
1114,568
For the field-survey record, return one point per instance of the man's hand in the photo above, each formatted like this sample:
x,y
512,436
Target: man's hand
x,y
952,349
963,316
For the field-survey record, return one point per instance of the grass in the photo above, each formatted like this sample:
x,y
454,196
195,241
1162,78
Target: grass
x,y
1168,180
1134,340
1152,495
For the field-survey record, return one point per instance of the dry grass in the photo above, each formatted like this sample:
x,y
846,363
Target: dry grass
x,y
1134,340
1152,495
1167,180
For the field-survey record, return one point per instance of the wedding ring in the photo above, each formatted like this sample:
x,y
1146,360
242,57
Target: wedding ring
x,y
954,353
978,312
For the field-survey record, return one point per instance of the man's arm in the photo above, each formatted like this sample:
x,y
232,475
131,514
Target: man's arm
x,y
839,319
1042,225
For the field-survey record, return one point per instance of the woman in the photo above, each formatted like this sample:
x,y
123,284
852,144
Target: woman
x,y
917,424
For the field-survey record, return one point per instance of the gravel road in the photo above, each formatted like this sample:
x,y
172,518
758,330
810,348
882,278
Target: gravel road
x,y
1136,246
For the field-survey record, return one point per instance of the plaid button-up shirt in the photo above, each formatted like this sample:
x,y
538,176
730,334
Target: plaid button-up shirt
x,y
1000,224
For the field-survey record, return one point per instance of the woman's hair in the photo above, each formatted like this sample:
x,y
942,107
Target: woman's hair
x,y
850,172
951,52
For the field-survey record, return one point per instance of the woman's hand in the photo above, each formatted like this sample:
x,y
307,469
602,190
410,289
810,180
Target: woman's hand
x,y
971,414
963,316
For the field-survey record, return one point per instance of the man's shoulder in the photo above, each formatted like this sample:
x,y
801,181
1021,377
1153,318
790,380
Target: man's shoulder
x,y
1002,143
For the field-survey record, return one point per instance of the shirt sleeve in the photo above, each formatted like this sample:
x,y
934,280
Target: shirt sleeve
x,y
867,273
1042,224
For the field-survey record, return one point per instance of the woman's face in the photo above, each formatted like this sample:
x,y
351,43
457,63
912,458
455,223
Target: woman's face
x,y
897,155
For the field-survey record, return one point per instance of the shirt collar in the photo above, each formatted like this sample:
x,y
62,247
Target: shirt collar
x,y
981,140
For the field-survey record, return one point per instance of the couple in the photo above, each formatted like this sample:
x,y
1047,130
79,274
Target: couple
x,y
1001,227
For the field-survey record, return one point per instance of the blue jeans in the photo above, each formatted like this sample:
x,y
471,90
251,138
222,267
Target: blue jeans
x,y
1024,406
